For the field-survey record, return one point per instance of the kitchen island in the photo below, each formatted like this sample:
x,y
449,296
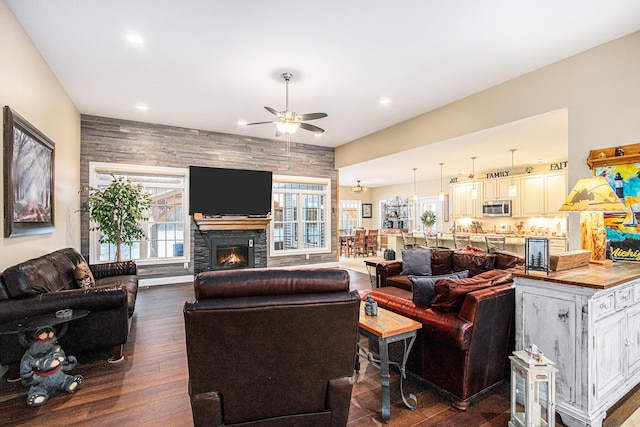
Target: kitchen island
x,y
514,243
586,320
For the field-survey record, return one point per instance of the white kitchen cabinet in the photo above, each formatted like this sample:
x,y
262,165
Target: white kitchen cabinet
x,y
557,245
496,189
463,204
555,191
587,320
532,195
542,194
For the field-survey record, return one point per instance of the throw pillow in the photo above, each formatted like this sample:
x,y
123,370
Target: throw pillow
x,y
475,262
83,276
450,293
506,260
416,262
441,261
423,288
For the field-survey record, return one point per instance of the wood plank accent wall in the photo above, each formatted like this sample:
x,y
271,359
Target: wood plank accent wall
x,y
122,141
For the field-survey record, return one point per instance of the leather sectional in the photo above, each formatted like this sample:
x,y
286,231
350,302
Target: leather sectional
x,y
467,328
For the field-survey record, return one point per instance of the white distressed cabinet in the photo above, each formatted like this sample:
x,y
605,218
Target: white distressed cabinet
x,y
588,321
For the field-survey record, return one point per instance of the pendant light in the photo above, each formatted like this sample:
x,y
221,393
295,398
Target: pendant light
x,y
441,195
415,193
512,187
358,188
474,192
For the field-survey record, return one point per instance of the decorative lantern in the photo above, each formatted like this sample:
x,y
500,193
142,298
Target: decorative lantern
x,y
533,389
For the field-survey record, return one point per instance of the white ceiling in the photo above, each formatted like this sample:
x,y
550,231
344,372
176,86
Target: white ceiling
x,y
208,64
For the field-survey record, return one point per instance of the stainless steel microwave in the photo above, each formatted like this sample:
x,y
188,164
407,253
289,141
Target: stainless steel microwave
x,y
496,208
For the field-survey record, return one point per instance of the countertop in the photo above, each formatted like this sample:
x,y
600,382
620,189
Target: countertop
x,y
591,276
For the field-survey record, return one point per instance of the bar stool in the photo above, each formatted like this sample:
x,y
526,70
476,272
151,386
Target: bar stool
x,y
461,241
495,243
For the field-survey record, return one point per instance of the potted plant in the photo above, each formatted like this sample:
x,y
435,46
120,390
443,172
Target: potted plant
x,y
428,218
116,211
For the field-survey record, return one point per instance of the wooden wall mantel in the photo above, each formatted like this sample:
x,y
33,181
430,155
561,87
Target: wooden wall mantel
x,y
607,156
232,223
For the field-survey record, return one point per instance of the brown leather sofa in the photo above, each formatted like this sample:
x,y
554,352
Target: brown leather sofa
x,y
46,284
271,347
467,330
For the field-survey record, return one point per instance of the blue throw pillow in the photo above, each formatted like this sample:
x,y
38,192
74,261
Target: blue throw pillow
x,y
416,262
423,288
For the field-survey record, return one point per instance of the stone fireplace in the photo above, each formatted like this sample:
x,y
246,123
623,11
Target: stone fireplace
x,y
230,243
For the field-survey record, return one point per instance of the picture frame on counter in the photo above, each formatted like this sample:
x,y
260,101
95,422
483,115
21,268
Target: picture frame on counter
x,y
536,254
367,210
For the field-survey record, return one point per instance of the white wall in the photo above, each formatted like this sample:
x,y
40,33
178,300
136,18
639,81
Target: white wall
x,y
600,88
29,87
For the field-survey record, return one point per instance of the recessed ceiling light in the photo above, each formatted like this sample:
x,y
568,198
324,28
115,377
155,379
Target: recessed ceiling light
x,y
539,161
384,101
242,123
318,134
135,38
142,107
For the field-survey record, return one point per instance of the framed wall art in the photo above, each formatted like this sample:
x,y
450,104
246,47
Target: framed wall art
x,y
623,229
536,254
28,178
366,210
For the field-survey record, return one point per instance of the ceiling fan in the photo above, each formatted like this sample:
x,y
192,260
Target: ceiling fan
x,y
289,121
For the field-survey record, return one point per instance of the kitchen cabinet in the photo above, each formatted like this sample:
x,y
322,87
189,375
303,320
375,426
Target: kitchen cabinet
x,y
496,189
587,320
555,191
462,204
532,195
543,193
536,194
557,245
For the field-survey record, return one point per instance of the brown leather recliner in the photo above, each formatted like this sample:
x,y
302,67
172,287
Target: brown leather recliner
x,y
271,347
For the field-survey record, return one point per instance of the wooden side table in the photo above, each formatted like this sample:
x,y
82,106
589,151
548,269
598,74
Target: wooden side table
x,y
385,328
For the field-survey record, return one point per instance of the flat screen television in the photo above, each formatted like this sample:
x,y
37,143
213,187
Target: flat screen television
x,y
218,191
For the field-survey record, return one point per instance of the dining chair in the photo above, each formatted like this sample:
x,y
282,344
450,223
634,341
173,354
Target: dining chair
x,y
359,243
372,242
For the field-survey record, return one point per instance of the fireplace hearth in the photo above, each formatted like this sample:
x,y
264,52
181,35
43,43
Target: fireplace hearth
x,y
227,248
231,256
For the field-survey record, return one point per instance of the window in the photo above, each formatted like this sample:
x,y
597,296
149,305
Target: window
x,y
349,214
300,223
429,204
168,218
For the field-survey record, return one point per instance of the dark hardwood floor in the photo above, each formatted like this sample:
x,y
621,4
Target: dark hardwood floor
x,y
149,388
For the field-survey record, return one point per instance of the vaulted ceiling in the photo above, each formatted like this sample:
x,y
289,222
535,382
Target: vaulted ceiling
x,y
212,64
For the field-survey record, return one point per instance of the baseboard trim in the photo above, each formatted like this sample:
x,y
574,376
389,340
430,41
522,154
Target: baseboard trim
x,y
170,280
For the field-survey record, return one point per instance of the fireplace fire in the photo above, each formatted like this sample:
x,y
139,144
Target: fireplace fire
x,y
232,256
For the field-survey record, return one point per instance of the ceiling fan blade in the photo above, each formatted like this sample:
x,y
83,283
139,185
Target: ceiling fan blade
x,y
258,123
271,110
312,116
312,128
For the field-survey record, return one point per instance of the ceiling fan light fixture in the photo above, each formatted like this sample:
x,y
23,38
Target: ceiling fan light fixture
x,y
287,127
359,188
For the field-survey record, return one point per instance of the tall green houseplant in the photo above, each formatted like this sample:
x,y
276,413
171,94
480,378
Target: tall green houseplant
x,y
116,211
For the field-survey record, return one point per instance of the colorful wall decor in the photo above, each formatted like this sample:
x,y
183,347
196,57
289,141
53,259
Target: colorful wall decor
x,y
623,230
